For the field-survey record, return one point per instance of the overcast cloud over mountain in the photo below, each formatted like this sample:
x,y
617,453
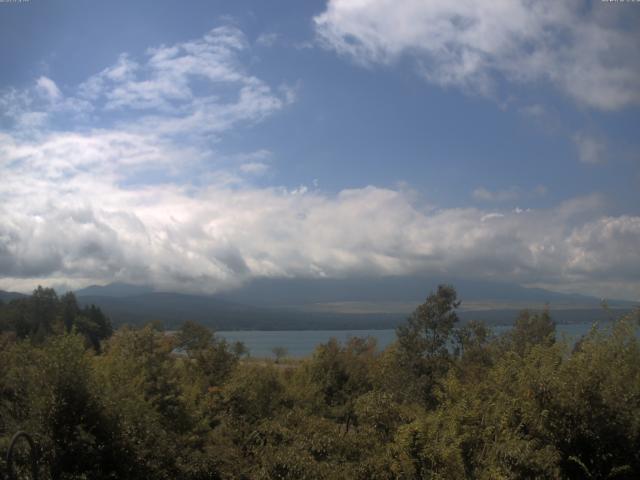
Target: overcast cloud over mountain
x,y
213,146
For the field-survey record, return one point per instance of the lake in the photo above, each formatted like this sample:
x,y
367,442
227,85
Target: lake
x,y
300,343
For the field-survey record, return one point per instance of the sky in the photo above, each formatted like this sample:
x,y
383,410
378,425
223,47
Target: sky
x,y
195,145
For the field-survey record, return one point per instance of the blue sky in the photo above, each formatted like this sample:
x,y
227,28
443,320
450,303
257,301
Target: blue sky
x,y
196,145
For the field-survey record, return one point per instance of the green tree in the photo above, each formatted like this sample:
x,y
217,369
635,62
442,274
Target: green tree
x,y
68,310
532,329
137,377
211,356
94,325
279,352
193,337
425,339
338,374
474,348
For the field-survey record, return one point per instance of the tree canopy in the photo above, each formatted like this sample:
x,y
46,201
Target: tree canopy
x,y
445,401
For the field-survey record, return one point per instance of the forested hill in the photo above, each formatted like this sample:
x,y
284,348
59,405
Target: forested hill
x,y
8,296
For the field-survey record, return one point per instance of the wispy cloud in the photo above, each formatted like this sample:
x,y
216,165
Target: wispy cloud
x,y
48,88
587,50
509,194
591,150
485,195
255,168
534,111
267,39
195,88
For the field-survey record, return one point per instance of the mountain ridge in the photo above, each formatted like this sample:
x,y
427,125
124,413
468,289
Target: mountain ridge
x,y
326,304
296,292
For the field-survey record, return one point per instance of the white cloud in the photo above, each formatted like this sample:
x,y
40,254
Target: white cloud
x,y
143,199
163,86
90,228
489,216
48,88
254,168
590,149
605,245
509,194
535,111
484,195
254,163
267,39
34,107
196,88
587,50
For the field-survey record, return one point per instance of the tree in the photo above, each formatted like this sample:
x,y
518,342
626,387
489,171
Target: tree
x,y
94,325
532,329
240,349
43,314
339,374
279,353
212,357
253,393
137,379
69,310
42,310
424,340
192,337
473,348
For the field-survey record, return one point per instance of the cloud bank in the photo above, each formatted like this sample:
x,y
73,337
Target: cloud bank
x,y
120,181
587,50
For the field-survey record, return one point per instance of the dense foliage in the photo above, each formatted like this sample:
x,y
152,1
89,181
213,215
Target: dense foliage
x,y
443,402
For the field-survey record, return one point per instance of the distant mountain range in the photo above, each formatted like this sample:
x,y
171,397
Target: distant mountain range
x,y
401,289
8,296
301,304
174,308
115,290
319,304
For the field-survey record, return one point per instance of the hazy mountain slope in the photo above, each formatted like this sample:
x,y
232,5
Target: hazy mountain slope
x,y
300,304
173,309
412,289
8,296
396,289
113,290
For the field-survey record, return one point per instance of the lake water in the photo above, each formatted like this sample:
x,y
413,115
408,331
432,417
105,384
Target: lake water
x,y
300,343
